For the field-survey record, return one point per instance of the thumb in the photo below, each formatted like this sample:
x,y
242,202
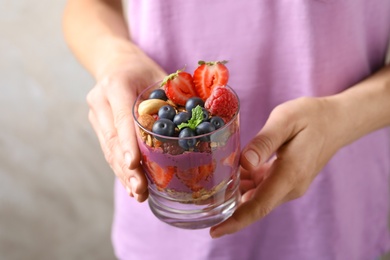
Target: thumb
x,y
276,131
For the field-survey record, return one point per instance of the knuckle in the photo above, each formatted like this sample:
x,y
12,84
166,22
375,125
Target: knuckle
x,y
109,139
125,168
262,208
99,90
109,156
285,113
292,110
121,118
106,81
112,81
264,143
262,211
304,100
92,96
281,109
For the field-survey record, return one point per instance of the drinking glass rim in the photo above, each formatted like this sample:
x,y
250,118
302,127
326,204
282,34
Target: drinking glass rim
x,y
174,138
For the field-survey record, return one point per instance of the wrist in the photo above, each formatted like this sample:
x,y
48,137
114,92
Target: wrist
x,y
120,58
113,52
364,107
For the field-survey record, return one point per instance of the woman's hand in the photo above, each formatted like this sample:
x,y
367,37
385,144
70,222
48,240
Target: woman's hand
x,y
110,103
296,142
97,33
279,164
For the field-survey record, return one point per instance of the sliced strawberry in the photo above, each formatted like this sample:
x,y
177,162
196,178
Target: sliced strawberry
x,y
160,176
179,87
209,75
190,178
193,176
231,160
207,170
188,175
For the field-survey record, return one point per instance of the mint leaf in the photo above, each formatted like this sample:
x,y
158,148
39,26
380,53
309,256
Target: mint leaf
x,y
195,120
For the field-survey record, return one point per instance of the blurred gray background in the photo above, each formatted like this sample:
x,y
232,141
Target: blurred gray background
x,y
55,187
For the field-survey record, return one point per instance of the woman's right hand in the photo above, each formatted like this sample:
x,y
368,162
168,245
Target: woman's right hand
x,y
119,82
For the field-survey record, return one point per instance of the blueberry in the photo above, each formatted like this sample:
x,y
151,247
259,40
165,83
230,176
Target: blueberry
x,y
217,122
193,102
167,112
182,117
187,143
158,94
206,114
204,128
163,126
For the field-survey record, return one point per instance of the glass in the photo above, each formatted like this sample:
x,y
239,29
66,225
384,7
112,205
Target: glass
x,y
191,189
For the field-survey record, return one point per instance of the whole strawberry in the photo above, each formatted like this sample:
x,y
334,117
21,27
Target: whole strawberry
x,y
222,102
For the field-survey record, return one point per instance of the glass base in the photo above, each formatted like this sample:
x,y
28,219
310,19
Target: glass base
x,y
194,215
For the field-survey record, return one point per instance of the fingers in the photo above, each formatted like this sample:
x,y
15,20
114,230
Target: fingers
x,y
277,131
121,101
101,118
257,203
250,180
267,181
110,103
138,188
289,134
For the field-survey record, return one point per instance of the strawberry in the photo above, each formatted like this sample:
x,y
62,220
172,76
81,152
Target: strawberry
x,y
209,75
179,87
207,170
193,176
190,178
160,176
231,160
189,175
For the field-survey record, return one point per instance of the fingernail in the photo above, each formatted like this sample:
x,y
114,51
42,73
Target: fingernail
x,y
252,157
134,184
128,159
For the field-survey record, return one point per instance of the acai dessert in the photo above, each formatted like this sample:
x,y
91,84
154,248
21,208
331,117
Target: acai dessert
x,y
188,135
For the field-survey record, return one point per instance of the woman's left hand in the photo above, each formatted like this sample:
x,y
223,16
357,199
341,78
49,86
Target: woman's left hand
x,y
280,163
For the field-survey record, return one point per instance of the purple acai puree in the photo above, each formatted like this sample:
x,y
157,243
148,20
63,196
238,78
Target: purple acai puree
x,y
224,156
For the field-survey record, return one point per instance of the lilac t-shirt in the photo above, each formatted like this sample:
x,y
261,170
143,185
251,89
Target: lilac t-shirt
x,y
278,50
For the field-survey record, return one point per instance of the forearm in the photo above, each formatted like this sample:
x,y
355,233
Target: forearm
x,y
96,31
365,107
